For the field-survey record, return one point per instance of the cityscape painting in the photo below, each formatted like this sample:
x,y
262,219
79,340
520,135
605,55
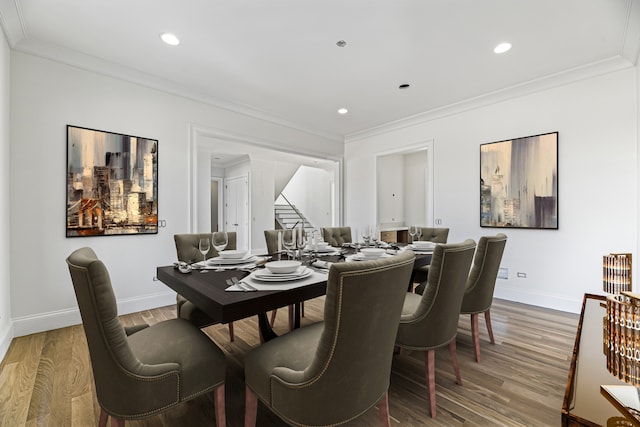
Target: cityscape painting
x,y
112,183
519,182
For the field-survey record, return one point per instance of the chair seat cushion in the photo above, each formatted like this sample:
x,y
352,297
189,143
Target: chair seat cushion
x,y
294,350
411,302
177,341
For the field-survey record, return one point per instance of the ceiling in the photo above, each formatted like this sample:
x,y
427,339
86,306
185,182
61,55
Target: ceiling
x,y
279,60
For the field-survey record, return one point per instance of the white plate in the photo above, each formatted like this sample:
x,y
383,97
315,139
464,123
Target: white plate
x,y
267,276
230,261
421,249
360,257
323,248
234,254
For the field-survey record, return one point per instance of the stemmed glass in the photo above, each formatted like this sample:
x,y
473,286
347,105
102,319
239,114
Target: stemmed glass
x,y
418,232
413,230
203,247
220,240
366,234
289,241
375,235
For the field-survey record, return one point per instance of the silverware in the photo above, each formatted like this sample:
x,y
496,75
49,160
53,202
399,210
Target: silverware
x,y
242,284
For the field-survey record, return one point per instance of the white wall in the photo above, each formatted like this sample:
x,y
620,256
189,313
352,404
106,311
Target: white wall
x,y
46,96
263,178
310,191
5,255
598,183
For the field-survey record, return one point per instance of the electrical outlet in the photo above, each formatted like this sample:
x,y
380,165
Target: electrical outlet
x,y
503,273
523,275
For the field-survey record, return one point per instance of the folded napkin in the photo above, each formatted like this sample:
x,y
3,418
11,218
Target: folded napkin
x,y
325,265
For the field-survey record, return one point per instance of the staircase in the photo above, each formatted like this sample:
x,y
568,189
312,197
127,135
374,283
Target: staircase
x,y
287,216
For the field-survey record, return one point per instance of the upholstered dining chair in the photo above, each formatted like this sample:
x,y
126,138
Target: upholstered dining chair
x,y
430,320
478,295
429,234
336,236
271,239
332,371
143,370
188,251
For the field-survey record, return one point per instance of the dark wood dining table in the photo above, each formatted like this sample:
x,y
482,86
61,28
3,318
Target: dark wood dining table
x,y
207,292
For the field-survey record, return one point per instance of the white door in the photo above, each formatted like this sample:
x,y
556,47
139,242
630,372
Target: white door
x,y
236,204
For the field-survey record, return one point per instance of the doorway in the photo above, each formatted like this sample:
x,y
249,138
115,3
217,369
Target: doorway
x,y
236,209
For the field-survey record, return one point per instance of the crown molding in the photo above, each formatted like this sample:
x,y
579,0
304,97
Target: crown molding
x,y
11,21
577,74
118,71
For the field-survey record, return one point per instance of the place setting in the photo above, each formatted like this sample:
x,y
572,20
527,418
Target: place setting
x,y
369,254
422,246
277,275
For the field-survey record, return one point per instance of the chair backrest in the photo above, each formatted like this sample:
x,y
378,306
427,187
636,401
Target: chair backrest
x,y
187,246
435,319
117,371
336,236
482,278
352,365
436,235
271,238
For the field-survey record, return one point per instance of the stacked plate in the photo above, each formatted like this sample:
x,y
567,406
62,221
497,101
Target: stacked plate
x,y
422,246
225,260
281,271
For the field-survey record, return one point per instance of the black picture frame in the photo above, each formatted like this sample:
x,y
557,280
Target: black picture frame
x,y
519,182
112,183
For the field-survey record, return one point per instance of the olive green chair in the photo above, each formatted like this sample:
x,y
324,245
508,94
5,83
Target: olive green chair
x,y
430,320
478,296
271,238
337,236
143,370
333,371
429,234
187,248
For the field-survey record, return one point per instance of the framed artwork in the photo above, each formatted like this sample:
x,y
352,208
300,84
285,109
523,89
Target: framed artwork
x,y
519,182
112,183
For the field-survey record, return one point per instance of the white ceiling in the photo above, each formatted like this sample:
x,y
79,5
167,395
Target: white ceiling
x,y
278,59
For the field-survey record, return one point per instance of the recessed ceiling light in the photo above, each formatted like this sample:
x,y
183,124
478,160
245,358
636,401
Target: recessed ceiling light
x,y
404,86
343,111
170,39
502,47
341,43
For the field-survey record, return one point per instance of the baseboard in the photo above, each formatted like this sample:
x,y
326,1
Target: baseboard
x,y
547,301
6,335
62,318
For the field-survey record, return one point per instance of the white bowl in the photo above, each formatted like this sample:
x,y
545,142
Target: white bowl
x,y
372,253
233,254
322,244
282,267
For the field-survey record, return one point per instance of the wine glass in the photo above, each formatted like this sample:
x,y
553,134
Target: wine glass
x,y
413,230
366,234
375,235
418,232
220,240
289,240
203,247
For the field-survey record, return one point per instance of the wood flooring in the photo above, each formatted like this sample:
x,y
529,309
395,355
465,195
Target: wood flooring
x,y
46,379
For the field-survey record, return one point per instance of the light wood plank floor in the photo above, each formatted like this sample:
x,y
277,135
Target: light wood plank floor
x,y
46,380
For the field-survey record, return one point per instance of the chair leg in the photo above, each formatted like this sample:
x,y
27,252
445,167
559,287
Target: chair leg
x,y
103,418
231,336
487,319
454,360
250,407
115,422
430,368
475,336
219,406
383,410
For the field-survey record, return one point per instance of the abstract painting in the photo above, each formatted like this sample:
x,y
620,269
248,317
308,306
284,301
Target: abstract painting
x,y
112,183
519,182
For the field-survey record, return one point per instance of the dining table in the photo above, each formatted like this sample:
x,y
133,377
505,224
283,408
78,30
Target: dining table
x,y
208,291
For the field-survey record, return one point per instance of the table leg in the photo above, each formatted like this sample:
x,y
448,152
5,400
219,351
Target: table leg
x,y
267,333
